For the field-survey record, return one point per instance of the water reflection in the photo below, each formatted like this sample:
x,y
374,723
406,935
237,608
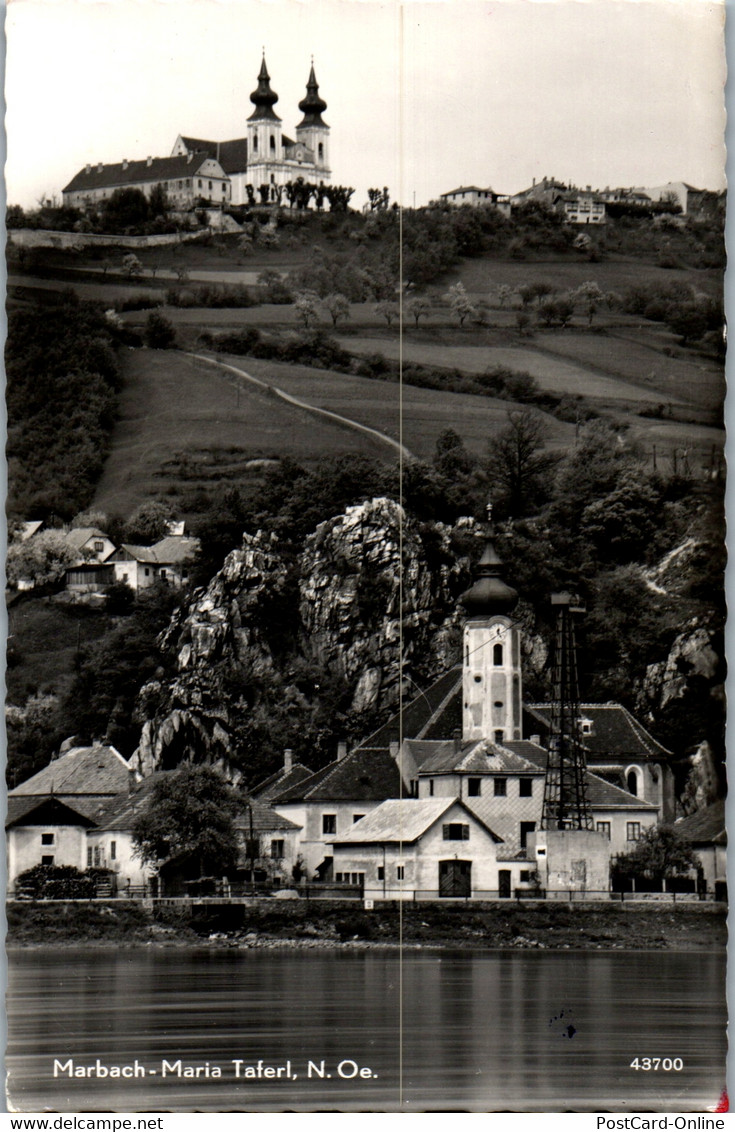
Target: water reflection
x,y
481,1030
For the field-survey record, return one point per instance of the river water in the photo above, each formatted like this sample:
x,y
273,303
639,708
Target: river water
x,y
434,1029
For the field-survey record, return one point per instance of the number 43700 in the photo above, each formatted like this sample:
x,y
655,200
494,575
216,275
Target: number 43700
x,y
653,1064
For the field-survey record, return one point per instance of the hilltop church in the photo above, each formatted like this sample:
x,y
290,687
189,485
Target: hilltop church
x,y
219,172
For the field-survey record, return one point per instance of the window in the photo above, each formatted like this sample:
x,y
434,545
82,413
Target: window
x,y
199,182
525,788
381,872
399,872
277,850
97,856
603,827
431,787
357,817
99,546
210,185
89,856
113,850
273,144
329,823
501,787
632,782
354,878
47,860
146,571
255,144
498,656
414,787
252,847
456,831
526,828
163,573
499,735
525,876
47,838
321,151
474,787
633,831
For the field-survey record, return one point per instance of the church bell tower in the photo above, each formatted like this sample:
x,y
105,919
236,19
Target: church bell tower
x,y
312,130
265,141
491,683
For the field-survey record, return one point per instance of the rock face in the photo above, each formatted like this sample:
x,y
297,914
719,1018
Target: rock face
x,y
370,600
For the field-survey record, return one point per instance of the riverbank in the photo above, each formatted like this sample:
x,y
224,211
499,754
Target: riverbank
x,y
318,924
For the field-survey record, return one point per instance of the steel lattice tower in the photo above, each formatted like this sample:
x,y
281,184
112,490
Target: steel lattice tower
x,y
566,805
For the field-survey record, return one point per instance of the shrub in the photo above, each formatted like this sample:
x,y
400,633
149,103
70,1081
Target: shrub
x,y
159,332
56,882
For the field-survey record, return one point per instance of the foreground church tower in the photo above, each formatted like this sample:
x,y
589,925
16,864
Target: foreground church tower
x,y
312,130
491,683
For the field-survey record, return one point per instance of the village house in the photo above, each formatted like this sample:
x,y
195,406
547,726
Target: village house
x,y
188,179
168,560
90,571
706,831
472,195
579,206
332,800
433,847
50,814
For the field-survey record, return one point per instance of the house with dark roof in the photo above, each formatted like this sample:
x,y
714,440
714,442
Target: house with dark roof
x,y
168,560
90,571
433,847
50,813
328,803
187,179
290,774
474,196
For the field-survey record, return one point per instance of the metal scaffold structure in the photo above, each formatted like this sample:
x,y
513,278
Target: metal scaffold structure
x,y
566,805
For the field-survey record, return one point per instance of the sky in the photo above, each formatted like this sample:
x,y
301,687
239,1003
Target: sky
x,y
422,96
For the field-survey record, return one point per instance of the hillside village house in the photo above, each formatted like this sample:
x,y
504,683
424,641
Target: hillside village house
x,y
707,832
90,571
168,560
472,195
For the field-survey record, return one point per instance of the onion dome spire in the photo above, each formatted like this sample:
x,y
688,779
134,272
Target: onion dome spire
x,y
312,107
489,595
263,98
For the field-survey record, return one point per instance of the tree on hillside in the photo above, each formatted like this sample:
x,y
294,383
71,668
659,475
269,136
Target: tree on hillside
x,y
337,306
191,811
519,468
505,294
132,266
388,310
158,201
41,560
149,522
126,208
592,297
459,302
417,308
159,332
306,305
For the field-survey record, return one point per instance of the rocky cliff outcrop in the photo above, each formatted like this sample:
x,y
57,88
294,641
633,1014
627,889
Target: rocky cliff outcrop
x,y
370,600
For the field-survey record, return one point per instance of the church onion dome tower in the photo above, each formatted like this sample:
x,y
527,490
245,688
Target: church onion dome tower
x,y
312,107
263,98
491,669
490,594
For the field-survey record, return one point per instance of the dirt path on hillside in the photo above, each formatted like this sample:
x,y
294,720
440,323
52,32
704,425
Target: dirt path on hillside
x,y
298,403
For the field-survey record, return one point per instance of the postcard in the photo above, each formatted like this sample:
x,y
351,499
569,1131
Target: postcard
x,y
365,574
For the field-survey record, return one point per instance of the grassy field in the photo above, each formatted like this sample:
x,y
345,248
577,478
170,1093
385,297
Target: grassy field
x,y
174,409
426,412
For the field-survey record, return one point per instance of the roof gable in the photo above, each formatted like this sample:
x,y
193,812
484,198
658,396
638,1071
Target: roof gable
x,y
407,819
45,811
365,775
82,770
705,826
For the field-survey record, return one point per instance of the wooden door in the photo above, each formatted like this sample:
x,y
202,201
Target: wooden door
x,y
455,878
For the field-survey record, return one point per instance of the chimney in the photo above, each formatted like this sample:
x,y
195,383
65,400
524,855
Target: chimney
x,y
124,162
99,167
341,751
457,739
149,161
394,750
287,760
188,158
131,781
87,168
536,739
533,183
